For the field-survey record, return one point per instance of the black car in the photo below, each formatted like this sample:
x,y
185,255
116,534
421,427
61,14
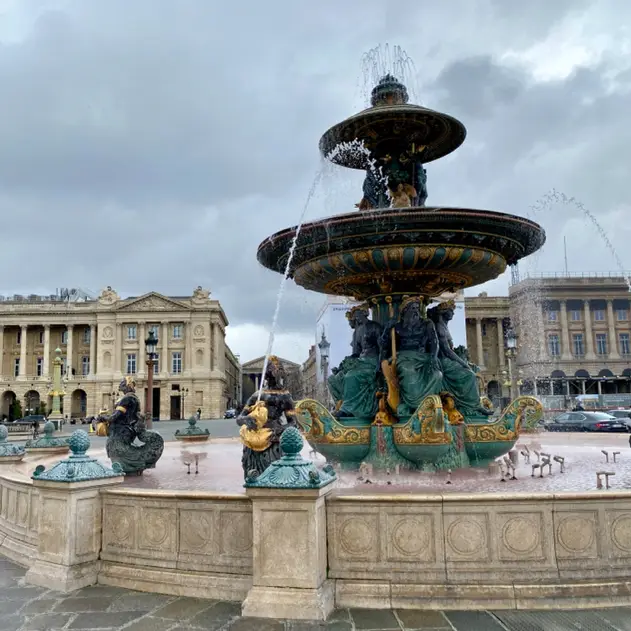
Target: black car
x,y
587,422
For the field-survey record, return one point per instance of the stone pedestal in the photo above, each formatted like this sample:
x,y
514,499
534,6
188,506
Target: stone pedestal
x,y
289,555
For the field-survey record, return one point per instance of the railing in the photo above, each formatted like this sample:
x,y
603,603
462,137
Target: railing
x,y
544,275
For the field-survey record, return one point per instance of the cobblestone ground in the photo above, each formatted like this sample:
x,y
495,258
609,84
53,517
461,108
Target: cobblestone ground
x,y
27,608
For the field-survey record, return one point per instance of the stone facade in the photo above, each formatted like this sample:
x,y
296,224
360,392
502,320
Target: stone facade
x,y
251,375
102,340
310,375
574,335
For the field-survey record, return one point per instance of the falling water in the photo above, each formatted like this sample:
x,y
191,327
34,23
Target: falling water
x,y
554,196
385,59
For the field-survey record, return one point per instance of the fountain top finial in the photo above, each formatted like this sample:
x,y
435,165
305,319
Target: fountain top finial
x,y
389,91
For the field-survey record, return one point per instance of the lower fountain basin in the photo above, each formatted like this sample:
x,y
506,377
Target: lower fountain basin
x,y
427,250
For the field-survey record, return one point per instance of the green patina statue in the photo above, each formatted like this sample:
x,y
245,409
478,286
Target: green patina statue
x,y
458,377
357,379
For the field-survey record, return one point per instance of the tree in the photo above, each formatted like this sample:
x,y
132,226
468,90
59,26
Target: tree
x,y
16,409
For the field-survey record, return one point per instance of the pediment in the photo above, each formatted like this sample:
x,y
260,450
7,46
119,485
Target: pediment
x,y
153,302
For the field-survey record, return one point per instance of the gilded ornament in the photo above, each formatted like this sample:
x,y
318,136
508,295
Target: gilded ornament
x,y
426,427
324,428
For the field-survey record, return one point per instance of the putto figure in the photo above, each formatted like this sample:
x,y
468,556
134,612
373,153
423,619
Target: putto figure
x,y
126,425
263,421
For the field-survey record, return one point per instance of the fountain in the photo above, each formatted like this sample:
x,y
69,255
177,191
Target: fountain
x,y
404,397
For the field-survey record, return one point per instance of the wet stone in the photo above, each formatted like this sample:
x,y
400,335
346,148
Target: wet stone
x,y
256,624
135,601
217,616
380,619
8,607
102,590
474,621
149,623
41,605
419,620
183,608
46,622
76,605
11,623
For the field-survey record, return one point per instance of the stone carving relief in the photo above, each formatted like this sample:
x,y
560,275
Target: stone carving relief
x,y
621,532
158,530
236,531
108,332
521,535
466,537
576,535
119,527
357,536
200,295
108,296
199,331
152,303
411,537
195,531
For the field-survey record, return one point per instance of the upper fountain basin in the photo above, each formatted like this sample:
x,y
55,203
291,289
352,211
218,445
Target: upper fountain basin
x,y
384,130
412,250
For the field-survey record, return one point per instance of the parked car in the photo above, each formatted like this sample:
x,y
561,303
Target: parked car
x,y
587,422
32,418
231,413
622,415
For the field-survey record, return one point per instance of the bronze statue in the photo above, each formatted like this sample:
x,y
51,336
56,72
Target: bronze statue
x,y
410,351
124,426
264,419
356,382
458,378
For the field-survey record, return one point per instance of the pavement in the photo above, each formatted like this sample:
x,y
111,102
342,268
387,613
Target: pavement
x,y
27,608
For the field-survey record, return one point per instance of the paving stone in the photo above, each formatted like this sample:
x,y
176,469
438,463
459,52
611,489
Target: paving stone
x,y
475,621
217,616
46,622
149,623
418,620
381,619
183,608
557,620
256,624
103,620
618,617
330,625
8,607
102,590
136,601
21,593
41,605
92,603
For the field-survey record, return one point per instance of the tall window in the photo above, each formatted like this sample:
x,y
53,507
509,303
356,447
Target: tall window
x,y
131,364
601,343
156,330
156,363
131,331
41,337
176,363
64,337
16,367
575,315
177,331
553,345
579,348
19,336
40,366
622,315
86,335
85,366
599,315
625,347
553,316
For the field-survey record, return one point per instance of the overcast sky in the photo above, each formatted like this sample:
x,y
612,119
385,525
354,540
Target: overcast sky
x,y
152,144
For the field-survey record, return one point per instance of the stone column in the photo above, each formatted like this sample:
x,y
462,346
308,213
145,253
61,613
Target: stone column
x,y
612,347
542,343
92,371
69,509
118,349
23,339
500,340
289,539
141,368
69,351
165,365
565,333
188,347
46,366
478,337
589,338
1,351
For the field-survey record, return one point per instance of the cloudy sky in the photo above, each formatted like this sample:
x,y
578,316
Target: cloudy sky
x,y
152,144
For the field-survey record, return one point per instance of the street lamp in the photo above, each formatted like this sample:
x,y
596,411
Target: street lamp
x,y
113,396
183,393
151,344
511,353
324,346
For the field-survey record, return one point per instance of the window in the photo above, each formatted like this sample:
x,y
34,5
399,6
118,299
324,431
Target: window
x,y
16,367
131,331
553,345
599,315
156,363
131,364
622,315
85,365
579,348
40,366
177,331
64,337
156,330
87,334
176,363
575,315
19,336
553,316
625,347
41,337
601,343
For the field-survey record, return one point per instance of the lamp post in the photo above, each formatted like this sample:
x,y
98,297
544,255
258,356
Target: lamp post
x,y
151,344
183,393
57,387
113,396
324,347
511,354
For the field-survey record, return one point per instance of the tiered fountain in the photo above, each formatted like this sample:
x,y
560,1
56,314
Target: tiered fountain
x,y
403,397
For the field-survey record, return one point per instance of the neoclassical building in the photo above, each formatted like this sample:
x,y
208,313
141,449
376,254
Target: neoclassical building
x,y
103,340
574,334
